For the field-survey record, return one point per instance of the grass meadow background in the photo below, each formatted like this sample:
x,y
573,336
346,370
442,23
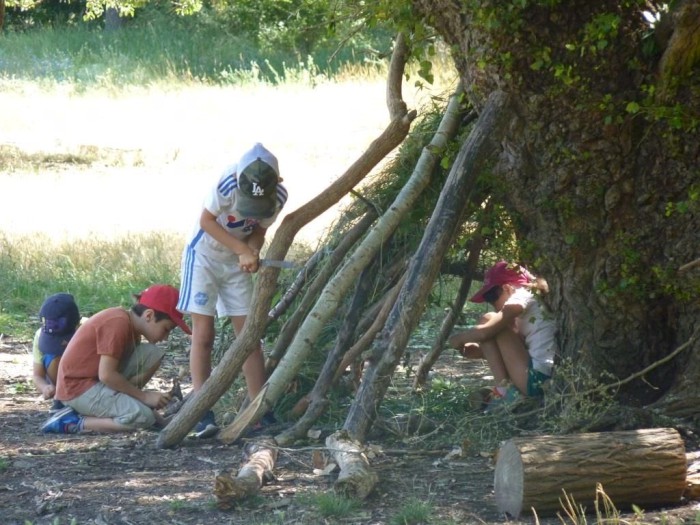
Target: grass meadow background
x,y
107,148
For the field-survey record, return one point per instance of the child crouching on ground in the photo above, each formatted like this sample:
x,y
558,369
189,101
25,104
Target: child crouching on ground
x,y
105,367
59,320
518,338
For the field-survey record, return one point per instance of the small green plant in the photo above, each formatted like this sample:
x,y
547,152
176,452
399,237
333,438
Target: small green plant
x,y
23,387
577,398
413,512
4,464
177,504
332,505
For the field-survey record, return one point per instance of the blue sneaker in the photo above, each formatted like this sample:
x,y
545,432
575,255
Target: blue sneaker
x,y
206,427
66,421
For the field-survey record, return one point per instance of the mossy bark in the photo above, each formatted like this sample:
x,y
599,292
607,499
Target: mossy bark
x,y
601,178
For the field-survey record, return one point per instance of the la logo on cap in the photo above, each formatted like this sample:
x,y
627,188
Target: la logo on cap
x,y
257,190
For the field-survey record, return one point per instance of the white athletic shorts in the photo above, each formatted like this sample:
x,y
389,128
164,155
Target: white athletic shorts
x,y
210,287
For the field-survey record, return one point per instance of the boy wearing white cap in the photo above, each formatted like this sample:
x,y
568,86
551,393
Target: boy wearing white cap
x,y
220,258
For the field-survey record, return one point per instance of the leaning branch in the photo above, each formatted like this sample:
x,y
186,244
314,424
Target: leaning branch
x,y
232,362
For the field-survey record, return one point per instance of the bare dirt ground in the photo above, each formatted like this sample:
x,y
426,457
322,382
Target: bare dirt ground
x,y
124,479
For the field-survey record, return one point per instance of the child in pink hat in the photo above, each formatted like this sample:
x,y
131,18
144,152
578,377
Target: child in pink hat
x,y
518,338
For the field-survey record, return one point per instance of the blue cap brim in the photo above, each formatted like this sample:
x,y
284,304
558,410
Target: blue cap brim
x,y
51,344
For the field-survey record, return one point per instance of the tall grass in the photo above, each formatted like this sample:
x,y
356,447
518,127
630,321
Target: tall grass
x,y
161,48
155,50
99,273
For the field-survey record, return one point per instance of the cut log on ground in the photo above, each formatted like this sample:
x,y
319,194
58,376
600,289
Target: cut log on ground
x,y
692,478
261,458
356,479
645,467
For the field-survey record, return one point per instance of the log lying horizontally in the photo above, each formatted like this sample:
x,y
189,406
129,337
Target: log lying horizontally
x,y
646,468
356,479
261,458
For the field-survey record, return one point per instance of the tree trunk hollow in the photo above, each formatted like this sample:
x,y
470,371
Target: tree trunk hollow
x,y
645,467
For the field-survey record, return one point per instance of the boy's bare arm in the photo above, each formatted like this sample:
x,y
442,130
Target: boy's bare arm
x,y
255,242
108,373
42,385
208,223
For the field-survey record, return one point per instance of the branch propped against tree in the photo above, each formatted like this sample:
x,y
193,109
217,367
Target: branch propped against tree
x,y
232,362
480,147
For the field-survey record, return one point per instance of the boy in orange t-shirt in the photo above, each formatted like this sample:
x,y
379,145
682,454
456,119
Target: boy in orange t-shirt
x,y
105,367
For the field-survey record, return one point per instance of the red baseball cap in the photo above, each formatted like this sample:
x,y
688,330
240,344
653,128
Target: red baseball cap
x,y
163,298
499,274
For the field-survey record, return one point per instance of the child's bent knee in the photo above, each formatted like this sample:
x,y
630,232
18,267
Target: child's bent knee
x,y
142,417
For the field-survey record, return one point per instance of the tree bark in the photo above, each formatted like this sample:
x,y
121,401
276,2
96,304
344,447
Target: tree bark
x,y
356,479
231,363
260,463
474,155
427,362
640,467
599,177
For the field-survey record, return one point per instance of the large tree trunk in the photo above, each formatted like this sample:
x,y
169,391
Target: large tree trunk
x,y
600,175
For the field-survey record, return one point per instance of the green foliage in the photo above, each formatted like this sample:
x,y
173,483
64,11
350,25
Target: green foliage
x,y
4,464
21,388
332,505
413,512
218,44
576,398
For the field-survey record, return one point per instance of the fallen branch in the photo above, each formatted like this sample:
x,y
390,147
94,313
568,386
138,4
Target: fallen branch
x,y
356,479
261,458
689,265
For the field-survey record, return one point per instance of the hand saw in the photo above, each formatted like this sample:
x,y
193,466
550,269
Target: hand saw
x,y
278,264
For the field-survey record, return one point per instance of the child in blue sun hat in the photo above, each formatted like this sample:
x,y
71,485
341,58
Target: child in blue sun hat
x,y
60,318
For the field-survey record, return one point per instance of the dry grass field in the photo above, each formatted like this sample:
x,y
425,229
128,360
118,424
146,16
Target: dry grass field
x,y
156,151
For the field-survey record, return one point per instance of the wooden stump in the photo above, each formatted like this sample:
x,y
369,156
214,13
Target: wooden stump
x,y
261,458
356,479
646,468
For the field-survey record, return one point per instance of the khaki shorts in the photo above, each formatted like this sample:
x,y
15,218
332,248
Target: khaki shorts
x,y
102,401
